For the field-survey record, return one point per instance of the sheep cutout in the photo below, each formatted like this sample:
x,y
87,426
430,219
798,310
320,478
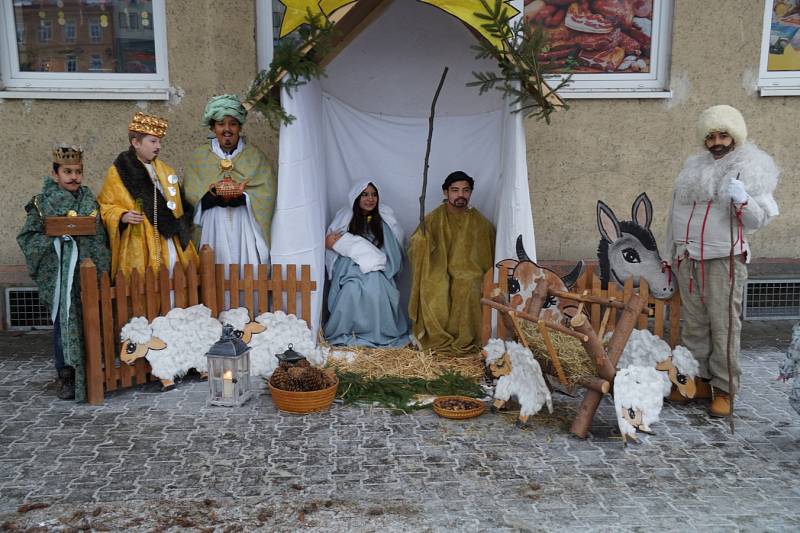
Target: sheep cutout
x,y
172,344
678,366
638,399
520,375
271,334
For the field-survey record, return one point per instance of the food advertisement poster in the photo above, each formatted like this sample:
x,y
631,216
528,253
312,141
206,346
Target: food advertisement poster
x,y
784,35
595,36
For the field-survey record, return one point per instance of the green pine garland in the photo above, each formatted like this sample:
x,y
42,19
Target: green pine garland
x,y
398,393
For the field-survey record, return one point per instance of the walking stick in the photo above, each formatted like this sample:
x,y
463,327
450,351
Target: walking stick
x,y
731,266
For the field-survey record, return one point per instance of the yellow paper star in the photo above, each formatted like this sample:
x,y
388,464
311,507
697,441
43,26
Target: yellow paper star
x,y
296,14
329,6
464,10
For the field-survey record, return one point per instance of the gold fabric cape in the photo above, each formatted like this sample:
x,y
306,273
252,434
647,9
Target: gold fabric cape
x,y
448,264
133,247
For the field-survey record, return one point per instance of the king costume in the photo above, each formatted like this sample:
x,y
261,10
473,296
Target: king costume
x,y
363,299
717,205
448,262
238,230
52,264
164,236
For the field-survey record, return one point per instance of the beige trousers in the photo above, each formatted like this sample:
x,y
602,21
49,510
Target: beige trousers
x,y
705,315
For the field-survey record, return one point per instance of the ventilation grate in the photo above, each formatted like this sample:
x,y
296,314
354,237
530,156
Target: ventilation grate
x,y
772,299
24,310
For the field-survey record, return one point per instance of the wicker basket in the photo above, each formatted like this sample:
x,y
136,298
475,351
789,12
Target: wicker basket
x,y
229,189
479,408
303,402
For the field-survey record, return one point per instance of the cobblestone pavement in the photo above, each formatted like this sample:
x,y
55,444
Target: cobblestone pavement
x,y
165,461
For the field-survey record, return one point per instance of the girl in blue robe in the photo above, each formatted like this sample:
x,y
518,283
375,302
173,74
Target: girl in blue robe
x,y
363,257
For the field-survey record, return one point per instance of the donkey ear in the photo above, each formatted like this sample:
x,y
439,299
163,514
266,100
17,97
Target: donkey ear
x,y
642,211
607,223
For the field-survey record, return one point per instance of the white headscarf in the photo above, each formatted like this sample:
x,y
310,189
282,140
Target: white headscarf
x,y
342,219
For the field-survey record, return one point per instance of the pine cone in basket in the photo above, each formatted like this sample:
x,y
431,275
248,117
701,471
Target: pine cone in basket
x,y
280,379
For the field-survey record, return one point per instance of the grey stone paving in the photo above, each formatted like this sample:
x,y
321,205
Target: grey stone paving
x,y
155,461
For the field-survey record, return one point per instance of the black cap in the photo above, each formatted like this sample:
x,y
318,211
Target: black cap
x,y
458,175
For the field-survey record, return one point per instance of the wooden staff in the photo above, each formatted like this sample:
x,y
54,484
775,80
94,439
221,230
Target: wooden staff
x,y
428,152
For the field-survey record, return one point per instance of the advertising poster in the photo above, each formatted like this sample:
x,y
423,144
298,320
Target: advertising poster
x,y
595,36
784,36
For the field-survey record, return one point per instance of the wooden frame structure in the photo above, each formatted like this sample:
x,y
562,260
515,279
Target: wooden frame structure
x,y
107,307
608,310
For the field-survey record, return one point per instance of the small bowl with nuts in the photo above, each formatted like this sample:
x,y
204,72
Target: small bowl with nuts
x,y
458,407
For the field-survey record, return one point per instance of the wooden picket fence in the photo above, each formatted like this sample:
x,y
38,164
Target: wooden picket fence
x,y
107,308
665,314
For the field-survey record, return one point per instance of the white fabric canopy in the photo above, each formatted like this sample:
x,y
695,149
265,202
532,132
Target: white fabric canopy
x,y
369,119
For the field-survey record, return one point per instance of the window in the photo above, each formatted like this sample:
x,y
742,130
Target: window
x,y
95,63
779,69
70,31
634,65
95,31
106,61
45,32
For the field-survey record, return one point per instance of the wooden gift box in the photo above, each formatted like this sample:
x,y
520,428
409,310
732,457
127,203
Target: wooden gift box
x,y
58,226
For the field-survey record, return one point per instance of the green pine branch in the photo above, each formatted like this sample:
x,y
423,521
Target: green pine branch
x,y
520,75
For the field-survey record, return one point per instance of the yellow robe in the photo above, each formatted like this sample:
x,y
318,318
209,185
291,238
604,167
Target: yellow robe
x,y
448,264
134,247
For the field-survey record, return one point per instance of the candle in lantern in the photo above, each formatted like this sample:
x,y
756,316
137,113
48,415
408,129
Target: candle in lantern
x,y
227,384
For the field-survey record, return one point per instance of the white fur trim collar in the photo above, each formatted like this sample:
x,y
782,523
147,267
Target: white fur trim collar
x,y
704,178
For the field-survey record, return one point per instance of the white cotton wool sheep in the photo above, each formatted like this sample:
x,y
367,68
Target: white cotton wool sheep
x,y
270,334
520,375
678,367
637,400
173,344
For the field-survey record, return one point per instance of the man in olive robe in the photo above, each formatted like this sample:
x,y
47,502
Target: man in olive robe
x,y
236,227
449,259
53,262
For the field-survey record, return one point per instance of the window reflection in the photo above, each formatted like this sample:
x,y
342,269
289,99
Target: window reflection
x,y
99,36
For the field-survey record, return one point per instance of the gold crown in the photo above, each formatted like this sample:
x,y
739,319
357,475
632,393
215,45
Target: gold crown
x,y
65,154
149,124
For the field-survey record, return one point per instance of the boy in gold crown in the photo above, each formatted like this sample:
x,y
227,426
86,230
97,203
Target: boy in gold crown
x,y
142,204
52,262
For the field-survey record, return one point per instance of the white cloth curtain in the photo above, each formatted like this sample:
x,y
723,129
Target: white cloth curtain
x,y
369,119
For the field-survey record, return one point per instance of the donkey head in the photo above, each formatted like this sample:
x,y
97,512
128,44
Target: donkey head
x,y
628,249
523,275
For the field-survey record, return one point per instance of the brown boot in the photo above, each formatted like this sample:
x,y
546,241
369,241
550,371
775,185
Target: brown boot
x,y
702,392
722,404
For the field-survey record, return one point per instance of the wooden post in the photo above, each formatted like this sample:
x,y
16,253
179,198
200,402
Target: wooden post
x,y
625,325
486,312
192,283
538,298
306,286
208,294
248,290
233,280
91,332
551,351
596,384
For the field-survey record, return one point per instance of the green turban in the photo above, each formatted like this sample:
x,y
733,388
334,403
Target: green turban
x,y
224,105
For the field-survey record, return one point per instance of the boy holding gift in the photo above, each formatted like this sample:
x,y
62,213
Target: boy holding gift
x,y
53,260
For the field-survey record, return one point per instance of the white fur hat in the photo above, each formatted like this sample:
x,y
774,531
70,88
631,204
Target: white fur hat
x,y
722,118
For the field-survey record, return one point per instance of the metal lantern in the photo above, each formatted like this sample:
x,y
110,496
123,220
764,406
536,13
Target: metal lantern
x,y
290,356
229,370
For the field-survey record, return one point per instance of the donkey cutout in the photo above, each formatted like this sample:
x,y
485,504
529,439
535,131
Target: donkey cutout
x,y
523,275
628,249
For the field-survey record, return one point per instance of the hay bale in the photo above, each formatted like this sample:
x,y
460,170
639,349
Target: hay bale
x,y
402,362
575,363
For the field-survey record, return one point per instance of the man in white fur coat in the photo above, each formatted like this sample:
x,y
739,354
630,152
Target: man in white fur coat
x,y
721,197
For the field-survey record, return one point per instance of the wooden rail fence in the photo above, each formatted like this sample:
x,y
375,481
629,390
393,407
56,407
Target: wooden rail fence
x,y
108,307
665,317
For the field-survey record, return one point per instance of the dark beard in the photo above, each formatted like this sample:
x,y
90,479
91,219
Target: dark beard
x,y
720,150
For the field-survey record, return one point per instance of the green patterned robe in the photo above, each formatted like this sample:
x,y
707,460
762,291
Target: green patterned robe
x,y
252,164
43,264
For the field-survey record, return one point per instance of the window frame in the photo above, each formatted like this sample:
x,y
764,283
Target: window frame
x,y
82,85
778,82
653,84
